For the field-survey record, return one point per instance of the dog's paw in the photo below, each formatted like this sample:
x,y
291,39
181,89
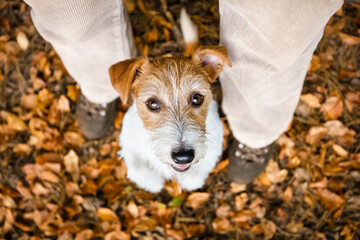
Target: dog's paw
x,y
146,181
191,184
152,185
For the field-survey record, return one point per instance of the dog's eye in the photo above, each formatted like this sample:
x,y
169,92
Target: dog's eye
x,y
197,99
153,104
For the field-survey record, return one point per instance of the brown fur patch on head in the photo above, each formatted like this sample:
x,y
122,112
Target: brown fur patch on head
x,y
172,81
122,75
212,59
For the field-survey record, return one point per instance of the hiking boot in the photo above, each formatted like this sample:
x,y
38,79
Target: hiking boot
x,y
95,119
247,163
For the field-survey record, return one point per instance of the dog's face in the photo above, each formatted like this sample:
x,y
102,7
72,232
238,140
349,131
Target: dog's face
x,y
172,96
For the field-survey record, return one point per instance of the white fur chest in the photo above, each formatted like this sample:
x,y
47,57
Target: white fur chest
x,y
148,172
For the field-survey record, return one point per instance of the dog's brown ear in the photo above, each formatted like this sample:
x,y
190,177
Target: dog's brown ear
x,y
212,59
122,75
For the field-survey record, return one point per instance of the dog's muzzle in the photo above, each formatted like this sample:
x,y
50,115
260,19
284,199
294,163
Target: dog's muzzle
x,y
183,159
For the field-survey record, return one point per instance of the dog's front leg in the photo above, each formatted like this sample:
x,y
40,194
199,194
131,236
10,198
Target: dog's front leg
x,y
140,173
192,181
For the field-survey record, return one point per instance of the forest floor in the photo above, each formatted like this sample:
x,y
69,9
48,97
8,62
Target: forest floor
x,y
56,185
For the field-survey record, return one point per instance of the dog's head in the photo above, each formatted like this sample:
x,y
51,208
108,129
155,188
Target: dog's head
x,y
172,96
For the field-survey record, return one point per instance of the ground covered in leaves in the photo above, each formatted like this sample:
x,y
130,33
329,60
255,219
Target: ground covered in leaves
x,y
55,184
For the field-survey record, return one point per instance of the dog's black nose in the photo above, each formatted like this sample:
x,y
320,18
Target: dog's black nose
x,y
183,156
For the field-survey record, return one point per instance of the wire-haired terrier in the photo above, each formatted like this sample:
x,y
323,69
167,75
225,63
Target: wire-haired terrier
x,y
172,128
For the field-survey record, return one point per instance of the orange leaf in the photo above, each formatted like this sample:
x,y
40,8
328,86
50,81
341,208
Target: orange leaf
x,y
106,214
329,199
196,199
349,39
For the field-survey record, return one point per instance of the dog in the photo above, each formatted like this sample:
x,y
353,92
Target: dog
x,y
172,128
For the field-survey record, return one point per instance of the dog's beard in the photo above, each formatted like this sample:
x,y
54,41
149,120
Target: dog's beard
x,y
176,136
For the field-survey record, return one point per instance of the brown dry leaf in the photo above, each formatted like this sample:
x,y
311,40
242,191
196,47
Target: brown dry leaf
x,y
336,128
288,194
106,214
223,211
330,199
175,234
340,151
63,104
221,225
244,216
84,234
269,230
146,224
71,162
22,149
45,98
58,74
311,100
160,21
315,134
74,138
22,40
320,184
117,235
72,92
48,157
9,221
274,173
89,187
352,99
349,39
1,74
220,166
130,5
315,63
196,199
7,201
39,189
118,119
16,123
236,188
49,176
29,101
286,145
105,149
294,162
294,227
152,35
240,201
332,108
38,84
132,209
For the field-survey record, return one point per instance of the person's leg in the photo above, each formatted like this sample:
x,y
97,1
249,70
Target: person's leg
x,y
89,36
270,44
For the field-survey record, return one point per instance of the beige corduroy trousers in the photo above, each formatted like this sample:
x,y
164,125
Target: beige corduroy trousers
x,y
270,45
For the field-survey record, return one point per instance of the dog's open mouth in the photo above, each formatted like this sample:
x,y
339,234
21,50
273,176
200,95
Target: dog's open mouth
x,y
181,168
